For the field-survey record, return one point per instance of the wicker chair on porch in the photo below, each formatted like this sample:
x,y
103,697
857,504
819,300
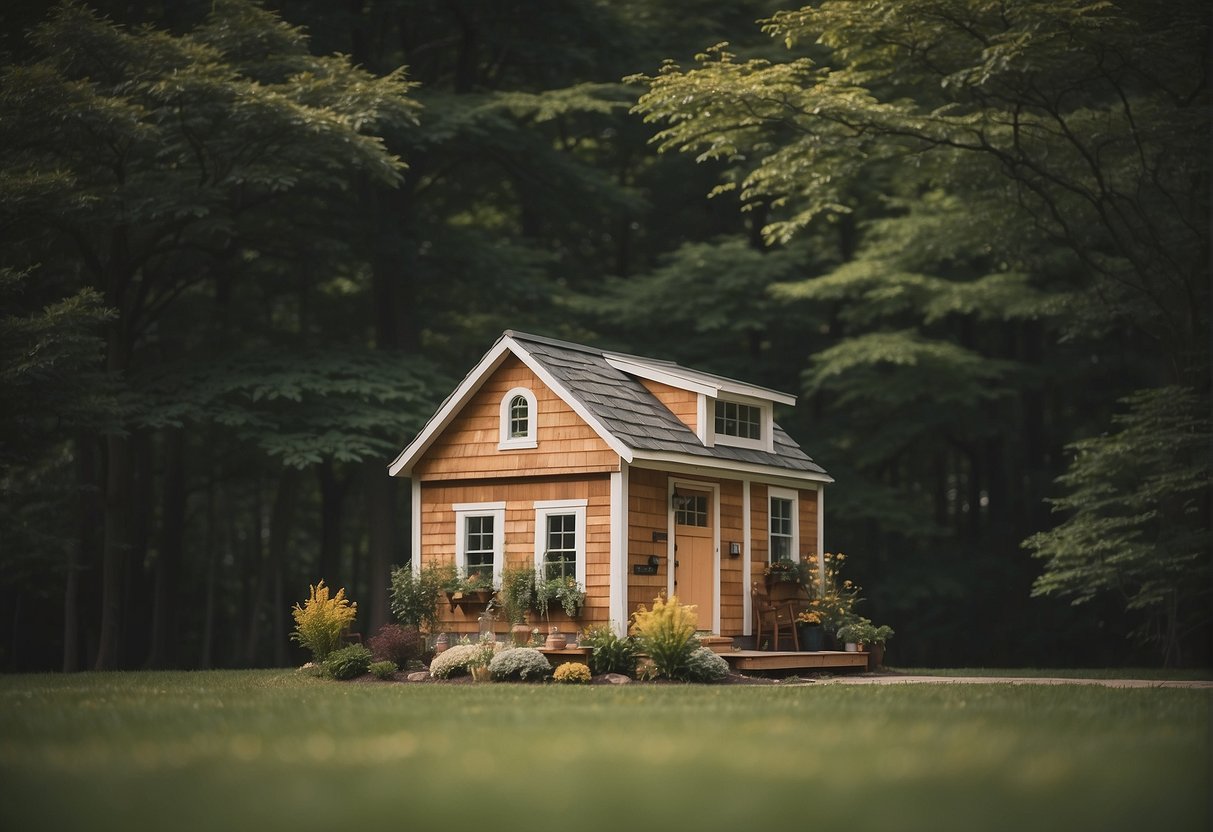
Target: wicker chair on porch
x,y
774,615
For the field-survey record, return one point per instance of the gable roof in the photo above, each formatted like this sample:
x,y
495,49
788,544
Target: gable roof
x,y
603,389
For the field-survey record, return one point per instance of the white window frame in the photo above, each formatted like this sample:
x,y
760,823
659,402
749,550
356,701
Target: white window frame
x,y
506,442
548,508
464,511
764,442
773,494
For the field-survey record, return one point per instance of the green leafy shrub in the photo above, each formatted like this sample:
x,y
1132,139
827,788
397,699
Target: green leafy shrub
x,y
609,652
525,663
454,661
517,593
705,666
667,634
347,662
414,598
572,673
397,644
322,619
383,670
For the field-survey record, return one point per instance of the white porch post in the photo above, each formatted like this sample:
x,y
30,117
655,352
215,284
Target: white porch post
x,y
618,603
821,534
747,613
415,531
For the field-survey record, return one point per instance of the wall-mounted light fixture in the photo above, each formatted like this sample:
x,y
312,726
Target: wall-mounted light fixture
x,y
734,549
679,501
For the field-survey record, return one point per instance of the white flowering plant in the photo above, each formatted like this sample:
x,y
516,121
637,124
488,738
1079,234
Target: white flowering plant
x,y
454,661
525,663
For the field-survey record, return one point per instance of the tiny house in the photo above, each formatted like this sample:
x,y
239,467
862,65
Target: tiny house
x,y
635,476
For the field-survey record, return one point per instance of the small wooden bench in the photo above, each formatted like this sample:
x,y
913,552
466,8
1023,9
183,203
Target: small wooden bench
x,y
557,656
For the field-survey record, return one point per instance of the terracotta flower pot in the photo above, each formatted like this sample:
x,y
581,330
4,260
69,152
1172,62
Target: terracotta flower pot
x,y
520,634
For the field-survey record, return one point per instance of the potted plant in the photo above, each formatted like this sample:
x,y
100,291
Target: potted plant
x,y
875,641
864,634
809,630
517,596
478,664
472,591
564,592
784,570
852,634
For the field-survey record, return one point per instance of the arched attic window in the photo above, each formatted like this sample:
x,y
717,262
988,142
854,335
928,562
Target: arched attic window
x,y
518,416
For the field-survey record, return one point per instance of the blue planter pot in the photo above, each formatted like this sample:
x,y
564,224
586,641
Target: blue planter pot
x,y
812,637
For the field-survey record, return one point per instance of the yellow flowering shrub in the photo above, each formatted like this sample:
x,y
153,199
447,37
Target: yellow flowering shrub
x,y
572,673
667,633
322,619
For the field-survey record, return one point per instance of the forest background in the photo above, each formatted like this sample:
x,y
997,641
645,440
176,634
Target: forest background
x,y
245,251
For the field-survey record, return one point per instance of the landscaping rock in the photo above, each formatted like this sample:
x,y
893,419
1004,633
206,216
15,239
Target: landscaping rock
x,y
419,676
618,679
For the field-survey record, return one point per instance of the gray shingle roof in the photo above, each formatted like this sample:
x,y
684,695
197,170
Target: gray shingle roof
x,y
629,411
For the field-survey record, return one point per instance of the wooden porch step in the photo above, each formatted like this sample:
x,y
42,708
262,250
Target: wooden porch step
x,y
787,660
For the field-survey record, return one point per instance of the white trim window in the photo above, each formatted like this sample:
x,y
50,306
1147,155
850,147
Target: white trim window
x,y
560,539
519,414
745,424
480,539
783,524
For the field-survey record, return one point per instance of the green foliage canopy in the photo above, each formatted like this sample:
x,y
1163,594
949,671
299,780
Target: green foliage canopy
x,y
1136,518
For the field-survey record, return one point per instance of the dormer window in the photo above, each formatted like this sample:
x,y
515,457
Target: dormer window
x,y
746,424
741,420
518,415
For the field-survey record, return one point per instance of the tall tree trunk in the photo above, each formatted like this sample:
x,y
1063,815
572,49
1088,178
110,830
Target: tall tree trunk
x,y
118,476
212,555
84,553
282,518
136,581
380,495
332,500
15,634
172,547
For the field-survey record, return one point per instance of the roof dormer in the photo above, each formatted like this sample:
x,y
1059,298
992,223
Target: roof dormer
x,y
724,412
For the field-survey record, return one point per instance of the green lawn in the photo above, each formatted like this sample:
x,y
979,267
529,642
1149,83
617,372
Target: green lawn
x,y
271,750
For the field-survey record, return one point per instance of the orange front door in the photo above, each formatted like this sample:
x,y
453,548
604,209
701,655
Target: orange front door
x,y
694,559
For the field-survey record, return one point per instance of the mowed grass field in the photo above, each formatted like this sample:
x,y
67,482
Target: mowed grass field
x,y
273,750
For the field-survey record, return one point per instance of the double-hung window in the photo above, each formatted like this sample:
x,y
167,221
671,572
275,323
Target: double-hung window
x,y
560,539
480,539
784,527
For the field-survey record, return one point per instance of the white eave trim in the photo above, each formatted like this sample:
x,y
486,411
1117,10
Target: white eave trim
x,y
695,382
403,464
728,468
661,375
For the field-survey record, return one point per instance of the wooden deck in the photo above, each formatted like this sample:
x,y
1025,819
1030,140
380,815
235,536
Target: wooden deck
x,y
786,660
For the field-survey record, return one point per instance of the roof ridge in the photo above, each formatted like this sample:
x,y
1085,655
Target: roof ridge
x,y
552,342
604,353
